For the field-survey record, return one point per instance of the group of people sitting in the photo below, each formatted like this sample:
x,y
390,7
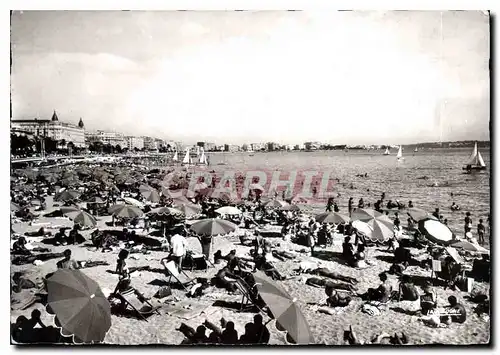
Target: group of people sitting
x,y
256,332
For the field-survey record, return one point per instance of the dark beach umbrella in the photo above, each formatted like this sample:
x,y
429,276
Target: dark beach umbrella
x,y
436,231
284,309
149,193
213,226
125,211
418,214
95,199
67,195
332,217
84,219
79,305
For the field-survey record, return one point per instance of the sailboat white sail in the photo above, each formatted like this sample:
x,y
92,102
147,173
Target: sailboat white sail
x,y
400,153
197,151
476,161
387,152
176,157
416,149
187,158
203,158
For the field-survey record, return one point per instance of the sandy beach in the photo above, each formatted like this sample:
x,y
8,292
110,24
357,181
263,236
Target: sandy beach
x,y
327,329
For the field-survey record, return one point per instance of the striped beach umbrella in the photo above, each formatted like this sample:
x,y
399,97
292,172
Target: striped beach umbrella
x,y
149,193
213,226
125,211
84,219
284,309
419,214
332,217
81,308
373,218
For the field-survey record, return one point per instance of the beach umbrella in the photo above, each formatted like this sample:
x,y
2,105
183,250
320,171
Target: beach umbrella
x,y
284,309
79,304
14,207
188,209
133,201
95,199
149,193
256,187
379,231
466,245
67,195
125,211
363,228
372,217
165,211
84,219
213,226
436,231
70,211
275,204
419,214
332,217
228,210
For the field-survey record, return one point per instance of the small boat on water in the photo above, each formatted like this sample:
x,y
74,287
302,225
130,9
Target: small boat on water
x,y
387,152
187,158
475,161
416,149
400,154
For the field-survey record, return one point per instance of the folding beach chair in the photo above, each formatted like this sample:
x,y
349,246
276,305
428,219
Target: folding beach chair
x,y
131,298
195,259
173,272
247,301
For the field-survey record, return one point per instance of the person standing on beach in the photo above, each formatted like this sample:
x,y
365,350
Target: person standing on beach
x,y
468,223
350,206
178,244
329,204
436,213
480,232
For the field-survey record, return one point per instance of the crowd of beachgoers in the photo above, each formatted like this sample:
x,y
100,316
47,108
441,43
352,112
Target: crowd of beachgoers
x,y
258,270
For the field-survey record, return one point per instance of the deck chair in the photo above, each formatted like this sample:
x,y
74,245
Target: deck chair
x,y
247,301
172,272
130,299
193,257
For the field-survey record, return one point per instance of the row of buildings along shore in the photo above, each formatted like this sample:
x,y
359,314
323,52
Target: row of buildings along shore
x,y
81,138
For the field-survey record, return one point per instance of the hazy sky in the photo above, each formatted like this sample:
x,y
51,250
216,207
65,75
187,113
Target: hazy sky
x,y
236,77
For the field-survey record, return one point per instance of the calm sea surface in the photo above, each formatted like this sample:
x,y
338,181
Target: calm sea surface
x,y
399,180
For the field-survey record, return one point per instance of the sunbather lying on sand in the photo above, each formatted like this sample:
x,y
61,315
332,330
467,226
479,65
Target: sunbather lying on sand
x,y
351,338
317,282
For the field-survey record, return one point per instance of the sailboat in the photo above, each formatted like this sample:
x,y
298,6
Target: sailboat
x,y
176,157
416,149
187,158
475,161
400,154
387,152
203,158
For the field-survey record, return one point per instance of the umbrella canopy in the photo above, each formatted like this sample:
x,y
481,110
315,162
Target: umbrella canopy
x,y
284,309
84,219
133,201
275,204
125,211
332,217
363,228
95,199
228,210
255,187
436,231
418,214
67,195
213,226
149,193
79,305
165,211
14,207
188,209
70,211
290,207
465,245
373,218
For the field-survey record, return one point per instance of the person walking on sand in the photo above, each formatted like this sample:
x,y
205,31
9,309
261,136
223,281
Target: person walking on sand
x,y
350,206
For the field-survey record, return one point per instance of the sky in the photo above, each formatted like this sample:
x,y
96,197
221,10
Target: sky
x,y
244,77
